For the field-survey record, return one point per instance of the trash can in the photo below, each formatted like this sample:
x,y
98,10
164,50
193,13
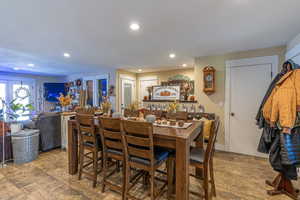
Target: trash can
x,y
25,145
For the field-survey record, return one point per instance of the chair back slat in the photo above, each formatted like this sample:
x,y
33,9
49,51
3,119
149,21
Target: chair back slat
x,y
113,144
139,152
130,113
138,139
212,139
158,113
180,115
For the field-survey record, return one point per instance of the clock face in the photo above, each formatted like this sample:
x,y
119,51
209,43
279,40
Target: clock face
x,y
209,77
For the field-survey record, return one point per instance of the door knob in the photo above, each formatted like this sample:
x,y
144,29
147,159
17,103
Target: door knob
x,y
232,114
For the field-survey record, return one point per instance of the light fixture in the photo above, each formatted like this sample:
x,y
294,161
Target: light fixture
x,y
16,68
140,70
172,55
134,26
67,55
184,65
30,65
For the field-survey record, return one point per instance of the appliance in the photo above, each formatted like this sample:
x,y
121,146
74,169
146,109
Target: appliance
x,y
53,90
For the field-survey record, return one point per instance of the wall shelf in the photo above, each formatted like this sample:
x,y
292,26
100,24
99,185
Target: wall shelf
x,y
166,101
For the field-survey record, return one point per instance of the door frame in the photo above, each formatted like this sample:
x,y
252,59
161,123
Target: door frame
x,y
273,60
95,85
127,78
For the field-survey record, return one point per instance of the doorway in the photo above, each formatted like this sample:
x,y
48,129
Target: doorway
x,y
247,81
127,91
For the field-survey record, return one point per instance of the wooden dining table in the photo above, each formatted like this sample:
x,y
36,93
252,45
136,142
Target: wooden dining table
x,y
178,139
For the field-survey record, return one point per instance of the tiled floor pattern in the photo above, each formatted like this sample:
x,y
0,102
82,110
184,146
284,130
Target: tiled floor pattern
x,y
237,177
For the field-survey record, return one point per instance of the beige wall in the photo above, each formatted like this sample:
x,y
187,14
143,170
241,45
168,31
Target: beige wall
x,y
215,103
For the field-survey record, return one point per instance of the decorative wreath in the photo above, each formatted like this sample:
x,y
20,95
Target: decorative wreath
x,y
22,92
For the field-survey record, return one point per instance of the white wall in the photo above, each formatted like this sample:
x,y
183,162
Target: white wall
x,y
112,79
41,105
294,42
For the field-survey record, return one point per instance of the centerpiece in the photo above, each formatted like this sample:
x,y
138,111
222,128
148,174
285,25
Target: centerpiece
x,y
64,101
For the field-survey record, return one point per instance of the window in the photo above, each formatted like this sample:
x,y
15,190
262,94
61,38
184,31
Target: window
x,y
8,90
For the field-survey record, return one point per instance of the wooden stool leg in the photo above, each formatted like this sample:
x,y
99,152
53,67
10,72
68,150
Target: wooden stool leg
x,y
123,180
95,167
282,185
104,167
81,158
127,180
205,184
152,189
212,178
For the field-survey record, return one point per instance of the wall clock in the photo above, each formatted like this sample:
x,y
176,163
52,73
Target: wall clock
x,y
209,80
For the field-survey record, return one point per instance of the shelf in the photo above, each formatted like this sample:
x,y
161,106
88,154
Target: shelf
x,y
166,101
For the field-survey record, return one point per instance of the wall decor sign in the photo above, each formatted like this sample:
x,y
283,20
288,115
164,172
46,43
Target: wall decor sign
x,y
166,92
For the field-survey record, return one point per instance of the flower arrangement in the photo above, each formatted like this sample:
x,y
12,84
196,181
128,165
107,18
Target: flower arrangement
x,y
106,105
64,100
173,107
133,106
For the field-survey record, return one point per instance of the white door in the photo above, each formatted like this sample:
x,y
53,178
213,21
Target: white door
x,y
249,81
128,92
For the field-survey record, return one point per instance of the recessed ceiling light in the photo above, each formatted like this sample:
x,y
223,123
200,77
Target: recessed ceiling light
x,y
16,68
172,55
134,26
67,55
184,65
30,65
140,70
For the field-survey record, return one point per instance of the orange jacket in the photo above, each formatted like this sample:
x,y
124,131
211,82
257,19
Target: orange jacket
x,y
282,103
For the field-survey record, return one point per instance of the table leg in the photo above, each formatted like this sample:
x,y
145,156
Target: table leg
x,y
72,149
182,169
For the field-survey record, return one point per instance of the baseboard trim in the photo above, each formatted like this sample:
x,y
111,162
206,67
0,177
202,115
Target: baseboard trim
x,y
220,147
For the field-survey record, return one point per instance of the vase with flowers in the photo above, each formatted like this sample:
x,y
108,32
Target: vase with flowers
x,y
106,106
64,101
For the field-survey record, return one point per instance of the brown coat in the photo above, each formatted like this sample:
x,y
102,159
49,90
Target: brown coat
x,y
282,104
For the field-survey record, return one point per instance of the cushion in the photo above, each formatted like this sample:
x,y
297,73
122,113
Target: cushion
x,y
160,154
197,155
206,127
114,151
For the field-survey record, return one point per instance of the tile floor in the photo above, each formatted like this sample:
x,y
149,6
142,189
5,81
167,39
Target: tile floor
x,y
237,177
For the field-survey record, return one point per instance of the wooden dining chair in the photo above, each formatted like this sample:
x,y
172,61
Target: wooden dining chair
x,y
140,153
158,113
113,149
180,115
131,113
89,144
203,159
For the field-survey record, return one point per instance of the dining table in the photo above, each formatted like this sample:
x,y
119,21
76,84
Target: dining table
x,y
177,139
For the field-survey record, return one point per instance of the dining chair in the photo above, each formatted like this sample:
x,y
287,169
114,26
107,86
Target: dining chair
x,y
203,159
131,113
89,143
157,113
179,115
113,149
140,153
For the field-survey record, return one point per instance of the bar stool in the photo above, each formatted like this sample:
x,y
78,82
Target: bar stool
x,y
112,150
140,153
89,141
203,159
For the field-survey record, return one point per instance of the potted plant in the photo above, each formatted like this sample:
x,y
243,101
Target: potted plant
x,y
106,106
11,111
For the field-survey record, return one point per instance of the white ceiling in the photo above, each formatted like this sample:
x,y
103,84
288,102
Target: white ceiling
x,y
96,33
